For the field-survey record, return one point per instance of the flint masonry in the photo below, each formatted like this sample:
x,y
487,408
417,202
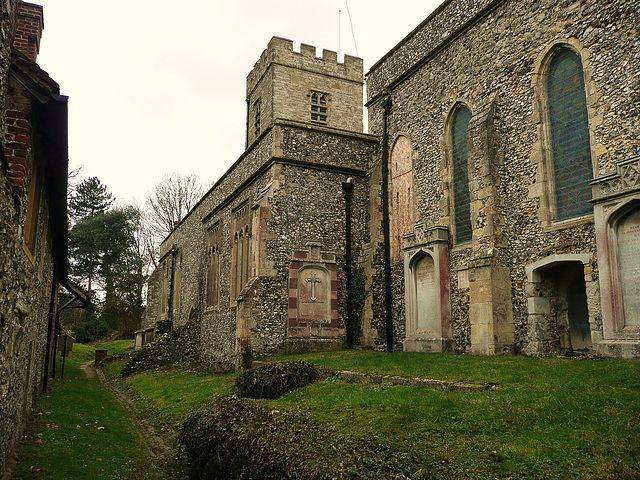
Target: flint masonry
x,y
513,193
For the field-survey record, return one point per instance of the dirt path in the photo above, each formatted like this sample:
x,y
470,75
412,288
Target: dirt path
x,y
88,371
154,443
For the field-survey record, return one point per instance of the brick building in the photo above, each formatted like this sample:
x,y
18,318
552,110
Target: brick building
x,y
513,190
33,218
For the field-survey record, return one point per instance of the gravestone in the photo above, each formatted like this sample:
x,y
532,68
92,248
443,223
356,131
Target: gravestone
x,y
427,296
616,212
628,236
139,339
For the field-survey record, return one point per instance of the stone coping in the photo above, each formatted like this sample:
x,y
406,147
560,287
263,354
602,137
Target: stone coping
x,y
357,377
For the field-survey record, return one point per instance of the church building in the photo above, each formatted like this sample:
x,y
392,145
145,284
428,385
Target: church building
x,y
494,203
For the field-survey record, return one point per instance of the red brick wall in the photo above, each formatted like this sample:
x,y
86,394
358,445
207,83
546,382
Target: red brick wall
x,y
16,144
29,29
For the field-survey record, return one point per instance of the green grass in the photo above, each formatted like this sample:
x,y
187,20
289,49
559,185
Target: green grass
x,y
117,347
79,431
548,418
545,419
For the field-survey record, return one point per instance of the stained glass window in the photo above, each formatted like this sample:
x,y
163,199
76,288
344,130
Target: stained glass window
x,y
572,166
461,197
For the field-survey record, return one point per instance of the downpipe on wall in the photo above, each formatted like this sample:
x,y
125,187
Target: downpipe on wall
x,y
347,188
386,107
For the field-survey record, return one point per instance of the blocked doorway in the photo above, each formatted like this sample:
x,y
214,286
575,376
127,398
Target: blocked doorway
x,y
558,309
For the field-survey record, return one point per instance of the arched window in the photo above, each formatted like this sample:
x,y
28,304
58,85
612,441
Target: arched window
x,y
163,305
461,197
246,256
240,264
401,182
177,280
213,276
570,147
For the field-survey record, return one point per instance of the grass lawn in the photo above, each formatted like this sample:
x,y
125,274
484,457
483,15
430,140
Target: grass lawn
x,y
79,431
546,418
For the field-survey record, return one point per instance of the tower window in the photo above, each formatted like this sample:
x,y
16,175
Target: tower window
x,y
319,108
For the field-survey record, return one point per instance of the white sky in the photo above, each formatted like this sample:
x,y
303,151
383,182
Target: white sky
x,y
158,86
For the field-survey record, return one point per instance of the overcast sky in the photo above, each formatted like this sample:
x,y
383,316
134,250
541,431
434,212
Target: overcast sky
x,y
158,86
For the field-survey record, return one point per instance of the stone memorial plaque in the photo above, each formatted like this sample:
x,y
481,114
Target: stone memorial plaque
x,y
426,295
629,264
313,303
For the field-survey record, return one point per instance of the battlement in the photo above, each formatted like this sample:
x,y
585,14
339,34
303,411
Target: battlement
x,y
280,51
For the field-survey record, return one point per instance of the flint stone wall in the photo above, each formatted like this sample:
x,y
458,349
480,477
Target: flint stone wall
x,y
25,286
499,56
303,169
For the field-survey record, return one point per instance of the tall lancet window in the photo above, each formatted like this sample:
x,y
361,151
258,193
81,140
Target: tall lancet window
x,y
570,146
461,196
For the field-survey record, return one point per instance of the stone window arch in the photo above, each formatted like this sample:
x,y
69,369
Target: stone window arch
x,y
241,249
569,135
163,286
562,154
402,211
458,166
241,259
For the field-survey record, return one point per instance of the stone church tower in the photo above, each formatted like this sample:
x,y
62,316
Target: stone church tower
x,y
508,221
301,87
259,262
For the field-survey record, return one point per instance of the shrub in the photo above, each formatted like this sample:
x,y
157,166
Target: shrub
x,y
91,331
274,380
240,439
177,347
221,443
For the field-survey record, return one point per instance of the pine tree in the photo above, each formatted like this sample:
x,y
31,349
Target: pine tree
x,y
90,198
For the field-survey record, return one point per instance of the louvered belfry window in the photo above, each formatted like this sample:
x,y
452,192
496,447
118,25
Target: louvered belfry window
x,y
319,107
572,168
461,197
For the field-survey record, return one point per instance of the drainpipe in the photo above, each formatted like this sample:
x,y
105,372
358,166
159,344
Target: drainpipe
x,y
347,187
386,105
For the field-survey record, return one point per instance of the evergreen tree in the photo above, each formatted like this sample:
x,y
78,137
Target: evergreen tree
x,y
104,250
90,198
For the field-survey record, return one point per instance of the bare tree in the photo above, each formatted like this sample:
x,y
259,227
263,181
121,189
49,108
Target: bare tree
x,y
170,201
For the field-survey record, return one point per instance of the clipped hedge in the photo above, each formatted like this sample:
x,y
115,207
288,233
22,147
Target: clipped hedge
x,y
177,347
238,438
274,380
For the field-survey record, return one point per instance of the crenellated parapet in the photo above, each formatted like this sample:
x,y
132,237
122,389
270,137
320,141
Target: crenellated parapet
x,y
280,51
301,87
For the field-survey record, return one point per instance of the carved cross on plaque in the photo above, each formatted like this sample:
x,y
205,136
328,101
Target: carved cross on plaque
x,y
313,279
